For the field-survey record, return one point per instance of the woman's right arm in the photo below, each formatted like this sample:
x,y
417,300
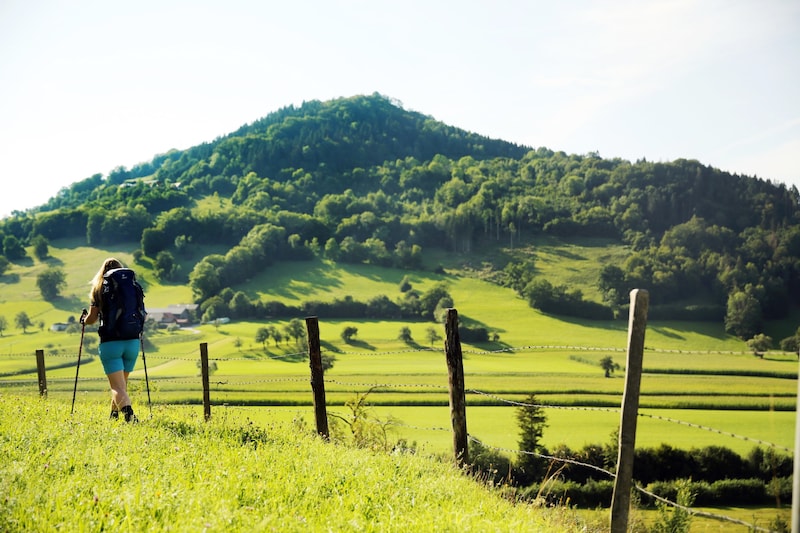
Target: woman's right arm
x,y
94,313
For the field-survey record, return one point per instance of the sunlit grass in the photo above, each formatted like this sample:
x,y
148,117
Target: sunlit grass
x,y
175,472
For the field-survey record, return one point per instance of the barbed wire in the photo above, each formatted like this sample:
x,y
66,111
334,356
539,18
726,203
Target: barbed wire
x,y
390,386
714,430
549,406
387,385
509,349
495,397
648,415
371,386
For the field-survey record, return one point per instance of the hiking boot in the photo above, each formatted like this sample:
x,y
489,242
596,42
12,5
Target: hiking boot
x,y
129,416
114,415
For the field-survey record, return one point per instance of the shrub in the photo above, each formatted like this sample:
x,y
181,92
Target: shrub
x,y
591,494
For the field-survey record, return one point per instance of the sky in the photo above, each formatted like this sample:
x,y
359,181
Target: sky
x,y
89,86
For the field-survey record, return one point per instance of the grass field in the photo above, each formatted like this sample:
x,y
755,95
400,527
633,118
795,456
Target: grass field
x,y
175,472
735,411
700,386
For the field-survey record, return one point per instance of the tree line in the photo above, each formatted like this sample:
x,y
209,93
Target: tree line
x,y
363,180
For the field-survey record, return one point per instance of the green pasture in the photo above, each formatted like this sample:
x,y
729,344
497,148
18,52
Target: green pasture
x,y
177,472
429,427
411,387
694,372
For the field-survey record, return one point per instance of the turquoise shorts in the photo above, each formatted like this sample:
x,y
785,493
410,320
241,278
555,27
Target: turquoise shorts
x,y
119,355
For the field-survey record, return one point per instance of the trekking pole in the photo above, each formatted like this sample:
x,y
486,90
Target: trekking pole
x,y
146,379
77,368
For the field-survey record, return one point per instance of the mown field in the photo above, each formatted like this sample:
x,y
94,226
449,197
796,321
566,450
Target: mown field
x,y
700,387
736,411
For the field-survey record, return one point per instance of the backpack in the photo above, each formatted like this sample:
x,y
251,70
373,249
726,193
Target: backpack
x,y
123,313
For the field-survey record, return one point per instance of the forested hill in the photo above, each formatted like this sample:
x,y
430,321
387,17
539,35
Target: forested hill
x,y
362,180
332,137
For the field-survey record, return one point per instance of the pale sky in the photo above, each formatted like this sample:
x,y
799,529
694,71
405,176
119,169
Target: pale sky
x,y
87,86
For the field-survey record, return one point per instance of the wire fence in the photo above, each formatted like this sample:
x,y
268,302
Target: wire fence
x,y
239,384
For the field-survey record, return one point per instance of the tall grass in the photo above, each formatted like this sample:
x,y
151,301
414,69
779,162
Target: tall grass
x,y
175,472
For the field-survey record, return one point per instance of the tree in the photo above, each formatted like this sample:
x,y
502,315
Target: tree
x,y
405,335
4,263
164,267
332,249
328,360
240,305
792,343
12,248
3,325
23,321
204,279
348,333
432,298
212,366
440,311
433,335
276,335
295,330
40,247
612,284
262,335
743,317
50,283
608,365
214,308
760,344
532,421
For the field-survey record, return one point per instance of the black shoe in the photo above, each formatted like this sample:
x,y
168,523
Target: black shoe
x,y
129,416
114,415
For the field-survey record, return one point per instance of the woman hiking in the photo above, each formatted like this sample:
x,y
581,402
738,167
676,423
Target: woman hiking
x,y
119,346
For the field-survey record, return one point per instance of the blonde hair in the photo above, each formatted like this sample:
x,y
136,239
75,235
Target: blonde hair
x,y
97,280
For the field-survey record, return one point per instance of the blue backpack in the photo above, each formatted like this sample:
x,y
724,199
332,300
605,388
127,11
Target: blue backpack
x,y
122,312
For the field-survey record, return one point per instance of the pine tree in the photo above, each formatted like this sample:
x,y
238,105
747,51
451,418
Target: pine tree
x,y
532,422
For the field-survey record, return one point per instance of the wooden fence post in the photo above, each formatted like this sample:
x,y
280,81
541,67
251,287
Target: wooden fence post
x,y
455,375
204,373
621,499
796,476
40,370
317,376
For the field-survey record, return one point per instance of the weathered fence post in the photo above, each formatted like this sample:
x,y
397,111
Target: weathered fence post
x,y
796,475
41,372
621,499
317,376
204,373
455,375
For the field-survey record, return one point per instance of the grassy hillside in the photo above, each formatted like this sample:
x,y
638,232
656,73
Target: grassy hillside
x,y
178,473
694,373
496,308
692,367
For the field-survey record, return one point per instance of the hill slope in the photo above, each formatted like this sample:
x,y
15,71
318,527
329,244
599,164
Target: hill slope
x,y
176,472
360,180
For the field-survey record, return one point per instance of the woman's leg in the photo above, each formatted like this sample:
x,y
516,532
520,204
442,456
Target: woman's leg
x,y
114,406
119,389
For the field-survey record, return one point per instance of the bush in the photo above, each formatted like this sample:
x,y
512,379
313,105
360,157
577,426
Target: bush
x,y
725,492
473,335
587,495
790,344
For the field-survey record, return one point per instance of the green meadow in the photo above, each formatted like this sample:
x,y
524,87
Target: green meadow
x,y
174,472
700,386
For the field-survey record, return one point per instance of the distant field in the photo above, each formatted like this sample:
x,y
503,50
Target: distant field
x,y
694,373
411,387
